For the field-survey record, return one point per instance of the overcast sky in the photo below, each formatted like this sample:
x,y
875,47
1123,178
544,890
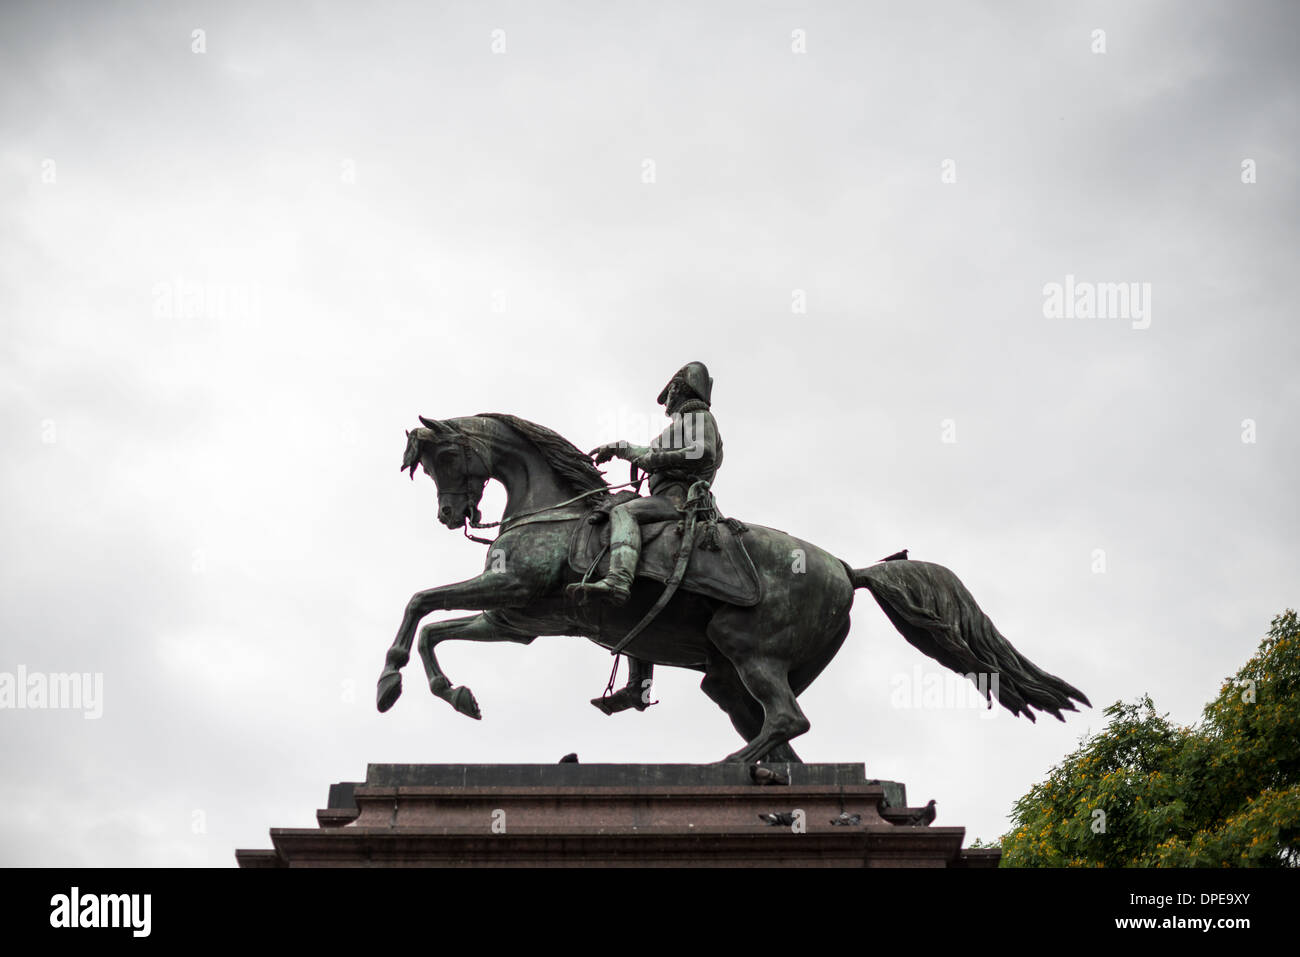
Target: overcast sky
x,y
230,279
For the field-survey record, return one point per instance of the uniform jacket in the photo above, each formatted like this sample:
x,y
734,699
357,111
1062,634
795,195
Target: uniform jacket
x,y
689,450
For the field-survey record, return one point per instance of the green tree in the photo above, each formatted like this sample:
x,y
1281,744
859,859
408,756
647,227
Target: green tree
x,y
1144,792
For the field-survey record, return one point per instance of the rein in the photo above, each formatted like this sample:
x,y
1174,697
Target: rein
x,y
697,500
505,523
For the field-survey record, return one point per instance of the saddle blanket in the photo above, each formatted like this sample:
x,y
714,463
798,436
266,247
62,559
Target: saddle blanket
x,y
727,574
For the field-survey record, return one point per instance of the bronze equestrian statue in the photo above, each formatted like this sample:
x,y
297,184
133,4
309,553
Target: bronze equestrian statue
x,y
759,612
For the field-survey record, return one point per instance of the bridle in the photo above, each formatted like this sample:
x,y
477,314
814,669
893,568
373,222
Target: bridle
x,y
464,445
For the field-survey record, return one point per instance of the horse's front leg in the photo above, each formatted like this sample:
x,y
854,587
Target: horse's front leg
x,y
489,590
473,628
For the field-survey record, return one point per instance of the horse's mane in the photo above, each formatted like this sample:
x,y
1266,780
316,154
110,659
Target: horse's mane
x,y
569,463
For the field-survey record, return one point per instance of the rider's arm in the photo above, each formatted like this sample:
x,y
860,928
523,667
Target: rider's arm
x,y
692,444
617,450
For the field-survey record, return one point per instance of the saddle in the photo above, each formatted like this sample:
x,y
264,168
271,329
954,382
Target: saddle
x,y
720,567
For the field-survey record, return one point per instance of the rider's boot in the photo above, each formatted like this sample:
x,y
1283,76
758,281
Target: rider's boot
x,y
635,694
624,550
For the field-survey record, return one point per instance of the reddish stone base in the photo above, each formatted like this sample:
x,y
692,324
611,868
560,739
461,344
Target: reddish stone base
x,y
603,815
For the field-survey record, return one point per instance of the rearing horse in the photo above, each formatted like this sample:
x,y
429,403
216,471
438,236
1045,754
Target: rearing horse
x,y
756,660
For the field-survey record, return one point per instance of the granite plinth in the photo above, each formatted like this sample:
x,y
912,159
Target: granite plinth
x,y
615,815
600,775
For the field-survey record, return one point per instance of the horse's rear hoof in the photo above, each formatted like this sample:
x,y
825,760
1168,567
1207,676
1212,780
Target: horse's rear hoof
x,y
390,689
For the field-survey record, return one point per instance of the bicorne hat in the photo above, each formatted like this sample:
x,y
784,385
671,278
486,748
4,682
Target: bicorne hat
x,y
694,377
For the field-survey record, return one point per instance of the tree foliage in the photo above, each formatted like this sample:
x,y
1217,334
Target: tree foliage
x,y
1145,792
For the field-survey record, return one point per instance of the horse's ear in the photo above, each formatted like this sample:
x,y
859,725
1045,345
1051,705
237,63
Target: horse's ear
x,y
440,430
411,457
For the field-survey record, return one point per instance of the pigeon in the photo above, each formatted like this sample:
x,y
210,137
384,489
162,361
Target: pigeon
x,y
847,820
923,817
761,775
779,819
896,557
569,759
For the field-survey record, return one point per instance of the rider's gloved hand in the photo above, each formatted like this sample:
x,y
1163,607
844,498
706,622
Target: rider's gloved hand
x,y
610,450
622,449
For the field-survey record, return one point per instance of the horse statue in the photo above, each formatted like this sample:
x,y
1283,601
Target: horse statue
x,y
758,648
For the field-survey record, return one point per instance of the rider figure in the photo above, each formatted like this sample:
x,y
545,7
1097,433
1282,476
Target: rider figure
x,y
689,450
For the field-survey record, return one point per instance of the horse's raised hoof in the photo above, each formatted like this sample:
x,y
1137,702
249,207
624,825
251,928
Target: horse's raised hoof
x,y
462,699
389,690
459,697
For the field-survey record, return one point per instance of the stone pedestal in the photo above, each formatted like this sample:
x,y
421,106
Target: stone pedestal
x,y
608,815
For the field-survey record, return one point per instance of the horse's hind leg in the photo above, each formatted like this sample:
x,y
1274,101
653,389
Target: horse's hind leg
x,y
764,670
803,675
723,685
473,628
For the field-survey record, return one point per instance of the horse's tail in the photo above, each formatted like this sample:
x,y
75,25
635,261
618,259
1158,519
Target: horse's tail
x,y
932,609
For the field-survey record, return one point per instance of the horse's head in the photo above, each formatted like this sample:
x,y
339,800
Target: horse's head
x,y
458,471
